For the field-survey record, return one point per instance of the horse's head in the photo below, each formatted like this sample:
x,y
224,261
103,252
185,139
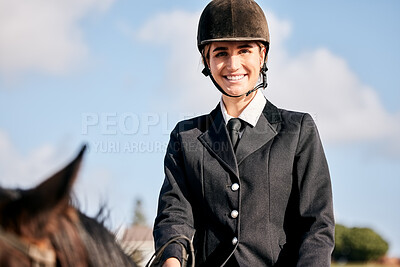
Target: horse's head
x,y
39,226
31,220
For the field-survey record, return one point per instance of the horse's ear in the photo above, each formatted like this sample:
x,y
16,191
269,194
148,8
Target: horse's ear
x,y
55,191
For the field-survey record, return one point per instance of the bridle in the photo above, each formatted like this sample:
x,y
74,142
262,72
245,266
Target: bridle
x,y
40,257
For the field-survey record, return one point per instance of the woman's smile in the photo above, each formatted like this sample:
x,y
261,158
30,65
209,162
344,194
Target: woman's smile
x,y
234,78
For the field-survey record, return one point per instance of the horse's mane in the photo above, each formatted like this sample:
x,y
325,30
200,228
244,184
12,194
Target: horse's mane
x,y
100,242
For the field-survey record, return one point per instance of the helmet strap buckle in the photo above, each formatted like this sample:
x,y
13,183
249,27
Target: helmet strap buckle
x,y
206,71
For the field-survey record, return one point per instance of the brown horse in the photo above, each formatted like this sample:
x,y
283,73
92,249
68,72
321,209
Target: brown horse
x,y
40,227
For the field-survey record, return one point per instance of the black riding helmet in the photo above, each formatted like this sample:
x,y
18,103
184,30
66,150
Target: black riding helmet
x,y
233,20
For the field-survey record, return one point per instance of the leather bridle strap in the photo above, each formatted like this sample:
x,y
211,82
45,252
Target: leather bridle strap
x,y
155,259
40,257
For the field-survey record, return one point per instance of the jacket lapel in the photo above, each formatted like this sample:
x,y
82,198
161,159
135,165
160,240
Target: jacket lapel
x,y
216,140
255,137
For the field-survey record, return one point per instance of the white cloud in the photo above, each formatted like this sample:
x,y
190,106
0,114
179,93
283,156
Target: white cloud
x,y
95,186
322,84
317,82
17,170
190,90
43,35
26,171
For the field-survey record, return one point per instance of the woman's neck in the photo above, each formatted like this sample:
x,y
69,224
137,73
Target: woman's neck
x,y
235,105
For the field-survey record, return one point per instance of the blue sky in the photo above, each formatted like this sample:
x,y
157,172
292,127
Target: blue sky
x,y
118,75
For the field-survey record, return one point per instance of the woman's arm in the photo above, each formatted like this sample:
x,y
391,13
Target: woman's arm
x,y
315,198
174,216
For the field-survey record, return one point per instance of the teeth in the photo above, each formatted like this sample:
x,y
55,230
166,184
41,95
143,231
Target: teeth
x,y
235,78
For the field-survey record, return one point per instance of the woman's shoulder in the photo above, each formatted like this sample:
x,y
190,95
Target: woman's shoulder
x,y
286,113
198,123
298,121
275,114
195,125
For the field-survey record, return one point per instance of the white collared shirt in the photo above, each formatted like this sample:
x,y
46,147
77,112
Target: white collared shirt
x,y
251,113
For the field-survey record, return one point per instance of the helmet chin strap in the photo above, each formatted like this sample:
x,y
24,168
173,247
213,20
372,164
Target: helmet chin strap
x,y
206,71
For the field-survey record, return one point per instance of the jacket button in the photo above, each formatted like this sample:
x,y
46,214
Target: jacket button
x,y
234,214
235,187
234,241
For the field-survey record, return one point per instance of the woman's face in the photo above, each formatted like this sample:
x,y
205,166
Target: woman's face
x,y
236,66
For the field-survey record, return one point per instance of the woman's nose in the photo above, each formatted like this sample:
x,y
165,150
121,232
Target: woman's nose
x,y
233,63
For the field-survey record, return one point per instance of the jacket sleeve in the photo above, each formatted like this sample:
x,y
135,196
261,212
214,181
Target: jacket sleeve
x,y
315,198
174,215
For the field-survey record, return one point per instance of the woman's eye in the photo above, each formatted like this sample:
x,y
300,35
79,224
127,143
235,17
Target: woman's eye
x,y
244,51
221,54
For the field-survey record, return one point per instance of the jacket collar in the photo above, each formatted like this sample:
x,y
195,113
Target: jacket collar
x,y
216,137
272,113
255,137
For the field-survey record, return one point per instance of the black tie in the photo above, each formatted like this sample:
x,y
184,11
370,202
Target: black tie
x,y
234,125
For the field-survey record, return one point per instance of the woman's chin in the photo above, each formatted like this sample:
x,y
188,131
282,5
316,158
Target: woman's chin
x,y
236,91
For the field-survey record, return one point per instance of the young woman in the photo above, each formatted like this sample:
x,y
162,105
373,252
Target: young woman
x,y
248,183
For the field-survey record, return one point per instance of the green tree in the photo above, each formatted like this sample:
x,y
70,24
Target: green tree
x,y
358,244
139,218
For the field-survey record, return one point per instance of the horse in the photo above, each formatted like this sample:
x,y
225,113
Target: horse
x,y
41,227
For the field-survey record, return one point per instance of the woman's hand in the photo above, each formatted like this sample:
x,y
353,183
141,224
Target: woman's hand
x,y
172,262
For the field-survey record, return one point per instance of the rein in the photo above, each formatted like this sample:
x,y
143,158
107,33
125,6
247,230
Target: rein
x,y
40,257
156,258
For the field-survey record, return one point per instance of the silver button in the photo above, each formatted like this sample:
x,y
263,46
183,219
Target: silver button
x,y
234,214
234,241
235,186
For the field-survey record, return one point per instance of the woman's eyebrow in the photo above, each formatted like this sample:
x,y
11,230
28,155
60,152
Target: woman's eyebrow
x,y
220,48
245,46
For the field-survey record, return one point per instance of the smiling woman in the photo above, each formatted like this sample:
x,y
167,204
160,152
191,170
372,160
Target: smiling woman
x,y
247,184
317,63
235,67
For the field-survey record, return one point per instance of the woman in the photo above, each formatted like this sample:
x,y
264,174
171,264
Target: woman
x,y
248,183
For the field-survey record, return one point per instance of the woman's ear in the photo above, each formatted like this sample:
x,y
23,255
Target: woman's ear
x,y
262,56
